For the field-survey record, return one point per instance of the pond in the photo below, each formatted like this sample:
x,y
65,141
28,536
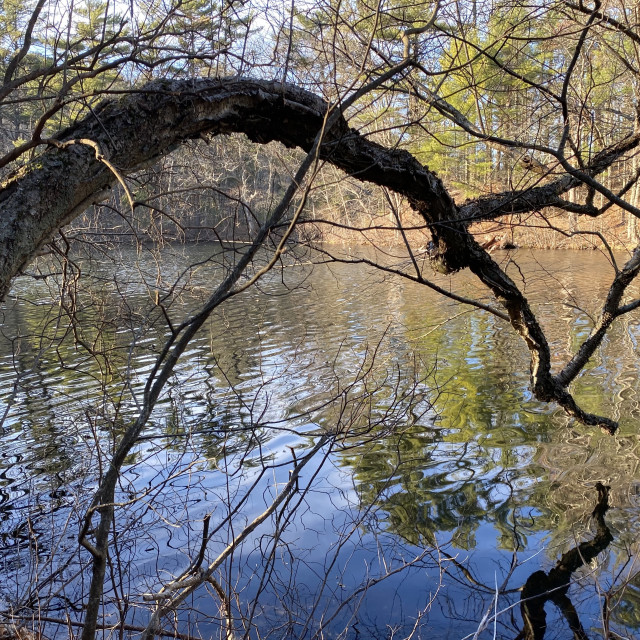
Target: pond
x,y
443,482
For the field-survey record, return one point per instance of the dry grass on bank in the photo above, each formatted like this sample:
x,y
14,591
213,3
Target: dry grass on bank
x,y
555,229
551,229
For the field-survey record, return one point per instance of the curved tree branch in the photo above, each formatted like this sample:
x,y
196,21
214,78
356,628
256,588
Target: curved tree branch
x,y
26,43
150,122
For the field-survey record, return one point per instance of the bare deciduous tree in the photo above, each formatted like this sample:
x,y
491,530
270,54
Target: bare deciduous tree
x,y
91,99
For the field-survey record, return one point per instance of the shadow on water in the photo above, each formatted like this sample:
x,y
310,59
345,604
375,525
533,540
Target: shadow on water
x,y
553,586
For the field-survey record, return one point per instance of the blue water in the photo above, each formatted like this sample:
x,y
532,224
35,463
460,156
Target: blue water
x,y
447,481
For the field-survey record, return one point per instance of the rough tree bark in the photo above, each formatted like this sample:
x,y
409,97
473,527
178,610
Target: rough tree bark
x,y
123,135
136,130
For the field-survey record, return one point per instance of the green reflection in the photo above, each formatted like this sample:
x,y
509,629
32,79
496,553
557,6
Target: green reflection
x,y
494,470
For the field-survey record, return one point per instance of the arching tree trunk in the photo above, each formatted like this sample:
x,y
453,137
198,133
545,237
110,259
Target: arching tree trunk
x,y
124,135
121,136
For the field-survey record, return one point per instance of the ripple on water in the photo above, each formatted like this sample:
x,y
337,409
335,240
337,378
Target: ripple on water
x,y
495,453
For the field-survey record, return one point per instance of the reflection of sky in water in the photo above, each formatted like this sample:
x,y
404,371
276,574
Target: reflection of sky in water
x,y
496,466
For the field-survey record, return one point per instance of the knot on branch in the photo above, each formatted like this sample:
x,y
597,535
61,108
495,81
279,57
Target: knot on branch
x,y
443,259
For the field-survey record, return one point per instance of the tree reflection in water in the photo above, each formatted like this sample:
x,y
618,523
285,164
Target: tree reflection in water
x,y
542,587
485,479
423,493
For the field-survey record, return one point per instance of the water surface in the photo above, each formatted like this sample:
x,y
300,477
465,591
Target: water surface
x,y
451,471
